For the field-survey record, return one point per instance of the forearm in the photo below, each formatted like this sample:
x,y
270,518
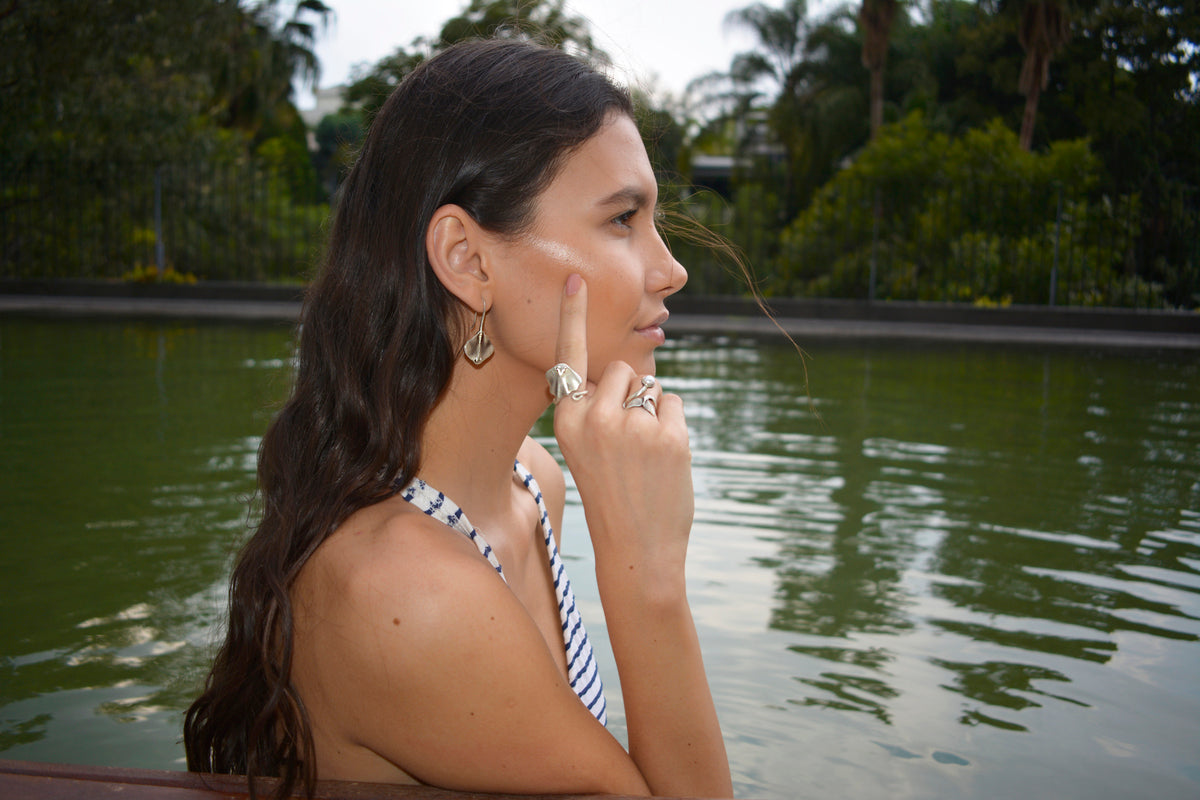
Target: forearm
x,y
674,736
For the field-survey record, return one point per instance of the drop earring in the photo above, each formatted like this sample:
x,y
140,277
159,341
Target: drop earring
x,y
479,347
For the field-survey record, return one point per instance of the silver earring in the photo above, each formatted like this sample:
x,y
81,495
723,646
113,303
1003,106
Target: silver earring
x,y
479,347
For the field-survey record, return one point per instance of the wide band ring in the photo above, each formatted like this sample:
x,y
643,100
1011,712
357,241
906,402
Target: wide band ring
x,y
564,381
634,400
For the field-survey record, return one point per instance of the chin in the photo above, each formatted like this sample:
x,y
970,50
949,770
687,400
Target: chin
x,y
645,365
642,364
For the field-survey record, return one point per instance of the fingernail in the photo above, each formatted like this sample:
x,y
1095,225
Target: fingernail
x,y
573,284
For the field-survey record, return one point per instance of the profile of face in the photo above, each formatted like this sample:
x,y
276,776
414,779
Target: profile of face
x,y
597,219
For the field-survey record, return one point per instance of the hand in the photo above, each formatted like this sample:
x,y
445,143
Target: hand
x,y
632,468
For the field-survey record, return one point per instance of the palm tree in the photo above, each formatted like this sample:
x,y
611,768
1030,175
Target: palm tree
x,y
254,83
817,116
1044,28
875,18
782,33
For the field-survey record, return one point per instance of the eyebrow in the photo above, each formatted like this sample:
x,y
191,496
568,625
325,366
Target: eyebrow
x,y
630,195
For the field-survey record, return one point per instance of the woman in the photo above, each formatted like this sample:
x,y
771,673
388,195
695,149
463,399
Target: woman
x,y
494,250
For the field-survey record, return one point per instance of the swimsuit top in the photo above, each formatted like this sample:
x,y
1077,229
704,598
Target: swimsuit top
x,y
581,662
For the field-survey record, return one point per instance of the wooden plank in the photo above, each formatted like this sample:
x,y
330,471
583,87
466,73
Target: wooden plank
x,y
38,787
31,780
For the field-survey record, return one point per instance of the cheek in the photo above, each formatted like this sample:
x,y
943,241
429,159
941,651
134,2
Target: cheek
x,y
615,292
529,327
551,257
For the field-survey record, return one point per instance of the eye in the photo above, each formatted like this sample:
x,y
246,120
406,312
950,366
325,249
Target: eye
x,y
623,219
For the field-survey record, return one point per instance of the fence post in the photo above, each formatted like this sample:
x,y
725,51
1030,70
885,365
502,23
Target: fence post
x,y
876,212
1054,265
160,255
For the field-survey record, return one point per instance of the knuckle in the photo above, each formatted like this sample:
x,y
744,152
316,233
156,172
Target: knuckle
x,y
617,370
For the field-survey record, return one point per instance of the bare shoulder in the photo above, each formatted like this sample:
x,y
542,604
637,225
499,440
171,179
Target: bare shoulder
x,y
412,646
390,553
378,534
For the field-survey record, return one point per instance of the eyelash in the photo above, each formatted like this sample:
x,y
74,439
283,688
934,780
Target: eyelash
x,y
622,219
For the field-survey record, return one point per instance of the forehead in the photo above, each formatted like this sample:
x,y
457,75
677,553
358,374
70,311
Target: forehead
x,y
612,161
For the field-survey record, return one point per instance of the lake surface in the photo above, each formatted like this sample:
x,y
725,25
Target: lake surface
x,y
953,572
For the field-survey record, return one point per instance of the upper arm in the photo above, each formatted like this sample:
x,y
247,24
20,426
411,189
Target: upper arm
x,y
443,673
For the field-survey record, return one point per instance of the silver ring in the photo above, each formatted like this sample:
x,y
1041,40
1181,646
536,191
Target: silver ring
x,y
647,404
564,381
648,382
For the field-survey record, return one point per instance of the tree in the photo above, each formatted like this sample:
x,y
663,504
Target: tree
x,y
1043,30
819,114
545,21
338,136
876,18
782,33
783,36
1130,82
140,79
969,218
75,78
964,58
253,87
108,107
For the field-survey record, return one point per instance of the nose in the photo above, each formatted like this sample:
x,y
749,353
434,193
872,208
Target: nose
x,y
666,276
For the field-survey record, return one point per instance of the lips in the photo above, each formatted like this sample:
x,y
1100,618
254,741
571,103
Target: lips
x,y
658,322
654,330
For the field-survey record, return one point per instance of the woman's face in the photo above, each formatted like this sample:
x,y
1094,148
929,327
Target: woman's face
x,y
597,219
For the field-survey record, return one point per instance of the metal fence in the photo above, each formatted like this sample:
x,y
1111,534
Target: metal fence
x,y
232,221
985,244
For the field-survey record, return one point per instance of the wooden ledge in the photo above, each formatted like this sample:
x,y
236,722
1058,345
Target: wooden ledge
x,y
30,780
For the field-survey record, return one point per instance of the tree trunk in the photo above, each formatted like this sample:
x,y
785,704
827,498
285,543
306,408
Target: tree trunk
x,y
1030,116
876,100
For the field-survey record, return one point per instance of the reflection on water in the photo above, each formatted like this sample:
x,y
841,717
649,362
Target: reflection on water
x,y
935,572
129,453
985,558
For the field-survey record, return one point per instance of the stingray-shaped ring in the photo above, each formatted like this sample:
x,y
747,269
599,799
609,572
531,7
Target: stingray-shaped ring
x,y
564,381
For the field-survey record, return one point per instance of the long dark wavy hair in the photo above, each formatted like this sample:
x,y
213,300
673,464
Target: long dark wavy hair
x,y
485,125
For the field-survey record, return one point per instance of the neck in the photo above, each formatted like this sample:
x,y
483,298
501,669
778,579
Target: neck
x,y
473,434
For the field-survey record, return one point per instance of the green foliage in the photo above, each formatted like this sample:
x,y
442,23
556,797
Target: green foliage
x,y
338,137
288,160
972,219
547,21
664,139
229,218
140,79
249,220
107,106
945,205
148,273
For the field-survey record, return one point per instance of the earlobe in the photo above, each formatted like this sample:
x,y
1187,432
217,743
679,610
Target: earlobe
x,y
453,243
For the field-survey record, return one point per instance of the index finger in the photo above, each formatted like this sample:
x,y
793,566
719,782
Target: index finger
x,y
572,327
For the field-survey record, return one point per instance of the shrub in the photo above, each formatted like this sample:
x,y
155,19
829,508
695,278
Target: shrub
x,y
965,220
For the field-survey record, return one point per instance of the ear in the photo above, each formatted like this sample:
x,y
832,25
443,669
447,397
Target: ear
x,y
457,249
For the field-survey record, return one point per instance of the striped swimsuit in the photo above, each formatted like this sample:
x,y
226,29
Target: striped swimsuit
x,y
581,662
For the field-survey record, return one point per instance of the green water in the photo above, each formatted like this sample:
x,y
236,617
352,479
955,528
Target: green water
x,y
973,572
